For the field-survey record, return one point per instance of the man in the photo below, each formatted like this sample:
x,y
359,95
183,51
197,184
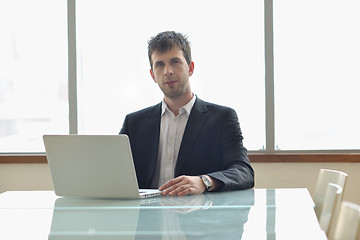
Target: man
x,y
185,145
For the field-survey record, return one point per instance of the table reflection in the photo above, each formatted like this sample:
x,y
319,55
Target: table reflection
x,y
211,215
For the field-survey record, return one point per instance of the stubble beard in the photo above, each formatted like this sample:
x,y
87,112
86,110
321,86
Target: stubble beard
x,y
174,92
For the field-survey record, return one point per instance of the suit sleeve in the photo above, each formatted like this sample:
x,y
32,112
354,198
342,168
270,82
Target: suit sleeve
x,y
237,173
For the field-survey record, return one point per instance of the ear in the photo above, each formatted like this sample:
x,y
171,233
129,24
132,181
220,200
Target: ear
x,y
191,68
153,75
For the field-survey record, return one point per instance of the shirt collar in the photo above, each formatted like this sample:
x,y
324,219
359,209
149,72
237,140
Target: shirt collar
x,y
186,108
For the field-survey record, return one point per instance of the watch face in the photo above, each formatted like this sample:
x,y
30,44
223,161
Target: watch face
x,y
207,182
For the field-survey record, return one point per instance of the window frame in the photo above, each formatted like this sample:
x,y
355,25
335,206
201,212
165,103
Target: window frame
x,y
255,157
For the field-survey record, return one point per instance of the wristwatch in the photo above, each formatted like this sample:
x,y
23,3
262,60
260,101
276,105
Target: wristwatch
x,y
207,182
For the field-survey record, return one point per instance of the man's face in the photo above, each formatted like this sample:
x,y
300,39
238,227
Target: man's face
x,y
171,72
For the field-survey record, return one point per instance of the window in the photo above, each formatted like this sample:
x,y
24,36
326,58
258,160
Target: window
x,y
317,78
227,48
316,59
33,73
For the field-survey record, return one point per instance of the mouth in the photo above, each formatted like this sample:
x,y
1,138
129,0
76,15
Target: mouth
x,y
170,83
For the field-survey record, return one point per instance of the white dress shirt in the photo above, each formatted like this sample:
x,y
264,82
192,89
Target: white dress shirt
x,y
171,132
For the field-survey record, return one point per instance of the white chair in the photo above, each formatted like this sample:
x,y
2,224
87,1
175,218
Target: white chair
x,y
331,206
325,177
347,225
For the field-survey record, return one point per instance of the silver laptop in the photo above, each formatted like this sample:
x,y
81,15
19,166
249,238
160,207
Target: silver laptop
x,y
95,166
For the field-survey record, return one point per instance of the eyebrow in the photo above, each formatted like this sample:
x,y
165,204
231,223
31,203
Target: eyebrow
x,y
176,59
172,59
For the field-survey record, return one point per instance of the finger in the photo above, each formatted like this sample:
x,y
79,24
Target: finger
x,y
180,190
171,182
172,190
167,191
187,191
176,188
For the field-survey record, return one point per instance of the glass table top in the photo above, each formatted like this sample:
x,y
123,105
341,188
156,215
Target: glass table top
x,y
247,214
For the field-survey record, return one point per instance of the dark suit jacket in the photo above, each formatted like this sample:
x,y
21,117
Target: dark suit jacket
x,y
212,145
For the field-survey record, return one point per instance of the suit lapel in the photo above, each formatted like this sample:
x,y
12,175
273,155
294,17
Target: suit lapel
x,y
153,123
196,120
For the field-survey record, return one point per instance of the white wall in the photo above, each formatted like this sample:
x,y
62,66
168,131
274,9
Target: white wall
x,y
277,175
268,175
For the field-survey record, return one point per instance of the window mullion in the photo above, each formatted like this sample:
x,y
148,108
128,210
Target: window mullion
x,y
269,77
71,14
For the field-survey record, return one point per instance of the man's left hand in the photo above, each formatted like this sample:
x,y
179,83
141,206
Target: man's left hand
x,y
183,185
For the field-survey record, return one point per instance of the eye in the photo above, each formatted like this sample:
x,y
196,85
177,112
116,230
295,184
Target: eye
x,y
175,61
159,64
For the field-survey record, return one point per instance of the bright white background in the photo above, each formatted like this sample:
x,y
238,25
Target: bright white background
x,y
316,62
33,73
227,48
317,77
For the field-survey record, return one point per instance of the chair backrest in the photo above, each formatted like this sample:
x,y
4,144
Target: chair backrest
x,y
347,225
331,206
325,177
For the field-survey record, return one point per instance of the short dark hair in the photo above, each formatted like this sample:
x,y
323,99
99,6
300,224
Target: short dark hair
x,y
165,41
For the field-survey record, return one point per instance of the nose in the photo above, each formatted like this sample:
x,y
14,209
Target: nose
x,y
168,70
